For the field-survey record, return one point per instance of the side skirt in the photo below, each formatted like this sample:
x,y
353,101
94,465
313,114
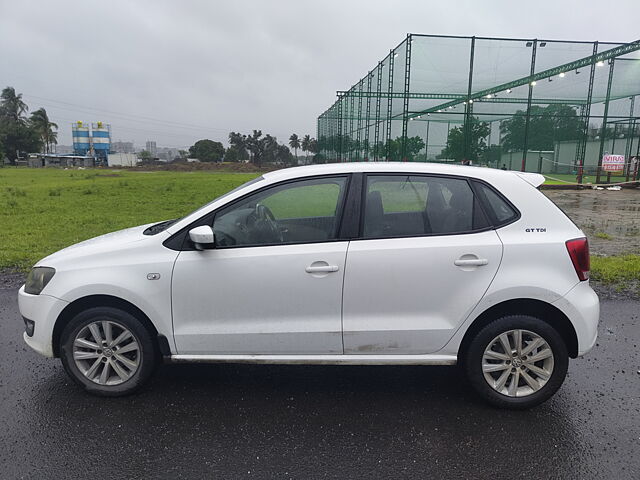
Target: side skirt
x,y
319,359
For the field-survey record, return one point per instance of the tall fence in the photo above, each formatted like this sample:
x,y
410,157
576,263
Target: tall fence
x,y
565,108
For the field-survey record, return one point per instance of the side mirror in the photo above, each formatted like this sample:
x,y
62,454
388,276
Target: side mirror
x,y
202,237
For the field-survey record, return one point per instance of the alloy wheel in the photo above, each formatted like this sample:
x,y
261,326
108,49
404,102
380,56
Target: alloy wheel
x,y
106,352
517,363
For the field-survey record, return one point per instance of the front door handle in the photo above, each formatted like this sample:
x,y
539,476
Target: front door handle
x,y
321,268
471,262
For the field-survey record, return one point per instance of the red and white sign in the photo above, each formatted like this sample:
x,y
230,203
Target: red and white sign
x,y
613,163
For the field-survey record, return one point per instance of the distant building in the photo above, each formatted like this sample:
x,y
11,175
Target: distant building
x,y
122,147
59,160
152,148
123,159
167,154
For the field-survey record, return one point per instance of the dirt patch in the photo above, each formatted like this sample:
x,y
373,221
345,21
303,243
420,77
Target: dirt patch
x,y
10,280
206,166
610,219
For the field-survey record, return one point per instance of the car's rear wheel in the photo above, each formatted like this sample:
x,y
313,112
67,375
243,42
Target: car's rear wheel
x,y
108,351
516,362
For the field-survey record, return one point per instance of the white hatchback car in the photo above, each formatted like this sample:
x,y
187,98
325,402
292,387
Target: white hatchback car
x,y
358,263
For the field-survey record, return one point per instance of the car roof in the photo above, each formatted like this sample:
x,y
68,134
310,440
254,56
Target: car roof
x,y
483,173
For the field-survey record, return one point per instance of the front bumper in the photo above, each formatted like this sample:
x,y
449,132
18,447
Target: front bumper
x,y
582,306
43,310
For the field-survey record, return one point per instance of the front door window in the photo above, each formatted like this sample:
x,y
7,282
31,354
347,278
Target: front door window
x,y
297,212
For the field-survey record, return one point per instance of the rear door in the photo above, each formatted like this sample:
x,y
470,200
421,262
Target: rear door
x,y
425,257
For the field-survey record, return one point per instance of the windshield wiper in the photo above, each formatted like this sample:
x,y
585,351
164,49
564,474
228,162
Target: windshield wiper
x,y
159,227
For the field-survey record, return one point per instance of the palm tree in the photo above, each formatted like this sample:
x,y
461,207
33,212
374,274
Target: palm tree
x,y
11,105
294,142
306,145
45,128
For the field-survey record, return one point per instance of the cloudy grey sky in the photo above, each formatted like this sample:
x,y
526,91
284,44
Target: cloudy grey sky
x,y
178,71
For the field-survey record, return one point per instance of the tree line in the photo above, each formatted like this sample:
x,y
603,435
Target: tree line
x,y
255,147
546,125
21,134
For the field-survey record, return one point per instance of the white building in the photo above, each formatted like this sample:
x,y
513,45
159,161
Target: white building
x,y
122,160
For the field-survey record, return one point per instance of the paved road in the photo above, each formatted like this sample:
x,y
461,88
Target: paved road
x,y
319,421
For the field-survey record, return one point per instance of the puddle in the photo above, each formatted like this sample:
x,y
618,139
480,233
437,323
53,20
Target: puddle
x,y
611,220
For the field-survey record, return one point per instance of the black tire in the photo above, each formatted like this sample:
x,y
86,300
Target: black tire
x,y
147,355
473,359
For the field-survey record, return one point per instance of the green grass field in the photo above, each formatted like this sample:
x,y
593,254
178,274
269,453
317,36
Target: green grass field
x,y
44,210
560,179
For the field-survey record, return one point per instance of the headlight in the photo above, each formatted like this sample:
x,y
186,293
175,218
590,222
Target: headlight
x,y
38,279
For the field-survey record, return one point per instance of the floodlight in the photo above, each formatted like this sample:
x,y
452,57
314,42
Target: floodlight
x,y
600,64
561,75
533,84
508,90
543,44
529,44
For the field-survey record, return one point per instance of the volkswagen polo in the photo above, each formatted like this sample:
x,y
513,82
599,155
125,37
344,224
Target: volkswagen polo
x,y
358,263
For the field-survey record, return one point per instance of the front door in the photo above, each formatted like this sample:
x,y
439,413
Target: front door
x,y
273,284
425,259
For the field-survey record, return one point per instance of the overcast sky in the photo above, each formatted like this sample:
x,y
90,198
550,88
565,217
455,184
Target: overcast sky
x,y
178,71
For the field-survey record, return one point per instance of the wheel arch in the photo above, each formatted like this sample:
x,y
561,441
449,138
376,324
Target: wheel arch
x,y
91,301
525,306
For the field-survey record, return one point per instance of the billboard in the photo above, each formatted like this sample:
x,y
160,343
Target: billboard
x,y
613,163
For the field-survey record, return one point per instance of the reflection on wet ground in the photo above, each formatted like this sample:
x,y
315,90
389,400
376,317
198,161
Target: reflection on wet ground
x,y
610,219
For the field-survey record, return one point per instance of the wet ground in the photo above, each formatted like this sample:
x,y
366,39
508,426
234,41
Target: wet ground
x,y
611,219
229,421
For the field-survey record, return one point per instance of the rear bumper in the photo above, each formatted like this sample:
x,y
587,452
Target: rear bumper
x,y
43,310
582,306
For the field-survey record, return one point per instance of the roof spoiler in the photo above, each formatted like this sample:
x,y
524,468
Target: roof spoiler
x,y
534,179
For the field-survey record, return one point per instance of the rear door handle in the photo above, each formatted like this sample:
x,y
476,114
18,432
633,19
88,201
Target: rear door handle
x,y
471,262
321,268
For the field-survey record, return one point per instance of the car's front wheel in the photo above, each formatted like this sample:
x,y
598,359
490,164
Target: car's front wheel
x,y
516,362
107,351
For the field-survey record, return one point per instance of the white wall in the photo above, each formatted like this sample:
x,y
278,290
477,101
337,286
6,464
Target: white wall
x,y
122,160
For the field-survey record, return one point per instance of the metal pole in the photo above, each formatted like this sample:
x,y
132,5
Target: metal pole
x,y
468,106
525,145
637,172
628,146
351,115
405,106
389,102
604,118
340,140
368,115
582,146
376,139
359,132
426,143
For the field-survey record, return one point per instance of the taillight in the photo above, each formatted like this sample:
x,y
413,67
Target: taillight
x,y
579,252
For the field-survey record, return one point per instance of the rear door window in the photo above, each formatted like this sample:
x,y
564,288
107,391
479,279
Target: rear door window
x,y
411,205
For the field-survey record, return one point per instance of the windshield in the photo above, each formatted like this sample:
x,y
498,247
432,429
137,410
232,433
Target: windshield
x,y
162,226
